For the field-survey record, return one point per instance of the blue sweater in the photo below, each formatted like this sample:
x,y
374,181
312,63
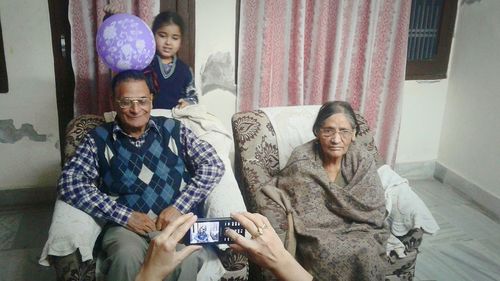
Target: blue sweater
x,y
145,178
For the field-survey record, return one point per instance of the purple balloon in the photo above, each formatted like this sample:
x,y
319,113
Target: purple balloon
x,y
125,42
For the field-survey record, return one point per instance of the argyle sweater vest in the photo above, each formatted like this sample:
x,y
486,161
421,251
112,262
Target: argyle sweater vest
x,y
145,178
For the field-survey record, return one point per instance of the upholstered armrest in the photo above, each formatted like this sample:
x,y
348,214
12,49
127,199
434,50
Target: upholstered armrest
x,y
404,268
256,153
77,129
412,239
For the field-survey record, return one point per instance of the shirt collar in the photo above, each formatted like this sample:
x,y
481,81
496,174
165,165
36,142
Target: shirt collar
x,y
151,124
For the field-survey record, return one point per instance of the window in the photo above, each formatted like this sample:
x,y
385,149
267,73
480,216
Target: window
x,y
4,82
429,40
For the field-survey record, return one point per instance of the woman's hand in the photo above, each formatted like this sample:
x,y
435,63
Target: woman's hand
x,y
265,248
162,258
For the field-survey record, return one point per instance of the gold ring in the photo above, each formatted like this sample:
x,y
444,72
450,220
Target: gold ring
x,y
256,236
260,230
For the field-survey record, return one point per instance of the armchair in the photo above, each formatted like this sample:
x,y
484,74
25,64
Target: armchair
x,y
258,159
71,266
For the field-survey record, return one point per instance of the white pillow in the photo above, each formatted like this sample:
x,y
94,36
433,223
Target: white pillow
x,y
226,196
293,127
70,229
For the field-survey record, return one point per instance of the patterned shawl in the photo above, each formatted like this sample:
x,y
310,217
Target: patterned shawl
x,y
340,231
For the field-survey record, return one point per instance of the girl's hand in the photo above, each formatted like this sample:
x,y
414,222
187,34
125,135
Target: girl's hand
x,y
182,103
162,257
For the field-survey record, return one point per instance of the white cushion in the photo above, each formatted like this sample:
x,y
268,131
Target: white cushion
x,y
70,229
293,127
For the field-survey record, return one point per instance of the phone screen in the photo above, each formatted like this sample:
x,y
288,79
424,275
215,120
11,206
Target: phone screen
x,y
211,231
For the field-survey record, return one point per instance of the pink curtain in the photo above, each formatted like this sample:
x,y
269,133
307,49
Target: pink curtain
x,y
92,76
297,52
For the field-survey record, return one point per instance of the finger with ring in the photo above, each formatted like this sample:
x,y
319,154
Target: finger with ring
x,y
260,230
259,233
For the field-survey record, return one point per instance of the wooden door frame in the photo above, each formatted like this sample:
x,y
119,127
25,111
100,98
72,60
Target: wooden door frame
x,y
63,70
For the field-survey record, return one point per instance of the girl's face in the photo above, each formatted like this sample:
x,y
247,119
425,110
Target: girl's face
x,y
168,41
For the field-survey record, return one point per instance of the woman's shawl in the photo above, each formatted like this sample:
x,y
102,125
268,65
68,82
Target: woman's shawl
x,y
333,224
315,198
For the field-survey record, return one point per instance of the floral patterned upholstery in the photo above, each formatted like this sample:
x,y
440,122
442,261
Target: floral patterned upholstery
x,y
71,267
257,161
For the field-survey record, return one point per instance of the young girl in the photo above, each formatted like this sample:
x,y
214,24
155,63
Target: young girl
x,y
171,79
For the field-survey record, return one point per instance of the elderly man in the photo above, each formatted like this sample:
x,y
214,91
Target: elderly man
x,y
138,173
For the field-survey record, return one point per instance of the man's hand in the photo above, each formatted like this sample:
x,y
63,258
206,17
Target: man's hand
x,y
166,217
162,257
140,223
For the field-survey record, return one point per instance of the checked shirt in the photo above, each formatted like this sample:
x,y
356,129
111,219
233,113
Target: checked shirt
x,y
80,176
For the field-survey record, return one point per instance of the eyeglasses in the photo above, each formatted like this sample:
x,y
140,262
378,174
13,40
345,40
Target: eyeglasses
x,y
344,134
125,103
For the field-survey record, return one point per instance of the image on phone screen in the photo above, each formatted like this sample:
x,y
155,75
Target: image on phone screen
x,y
204,232
211,231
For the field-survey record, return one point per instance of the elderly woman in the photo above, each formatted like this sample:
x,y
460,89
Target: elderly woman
x,y
337,200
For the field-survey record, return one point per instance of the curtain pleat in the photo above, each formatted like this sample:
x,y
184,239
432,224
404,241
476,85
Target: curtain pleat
x,y
301,52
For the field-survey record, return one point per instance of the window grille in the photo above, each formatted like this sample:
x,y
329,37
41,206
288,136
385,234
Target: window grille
x,y
429,38
423,34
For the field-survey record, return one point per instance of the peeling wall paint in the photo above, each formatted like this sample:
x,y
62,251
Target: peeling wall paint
x,y
9,133
218,73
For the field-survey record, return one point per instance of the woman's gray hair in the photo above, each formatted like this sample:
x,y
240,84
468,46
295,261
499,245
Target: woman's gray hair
x,y
334,107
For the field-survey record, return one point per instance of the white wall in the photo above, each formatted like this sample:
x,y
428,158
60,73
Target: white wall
x,y
215,32
470,139
421,120
31,98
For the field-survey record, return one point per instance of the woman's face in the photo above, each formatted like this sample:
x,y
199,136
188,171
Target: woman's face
x,y
335,136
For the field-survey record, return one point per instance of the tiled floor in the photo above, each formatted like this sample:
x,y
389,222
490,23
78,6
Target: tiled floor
x,y
23,232
468,245
466,248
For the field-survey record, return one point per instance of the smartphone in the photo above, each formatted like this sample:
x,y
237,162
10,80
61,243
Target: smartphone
x,y
211,231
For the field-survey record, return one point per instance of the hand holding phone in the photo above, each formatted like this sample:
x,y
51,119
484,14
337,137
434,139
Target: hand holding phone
x,y
212,231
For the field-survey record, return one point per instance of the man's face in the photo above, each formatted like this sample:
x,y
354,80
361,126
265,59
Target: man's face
x,y
133,103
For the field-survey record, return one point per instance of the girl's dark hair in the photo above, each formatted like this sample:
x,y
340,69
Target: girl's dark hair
x,y
166,18
334,107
